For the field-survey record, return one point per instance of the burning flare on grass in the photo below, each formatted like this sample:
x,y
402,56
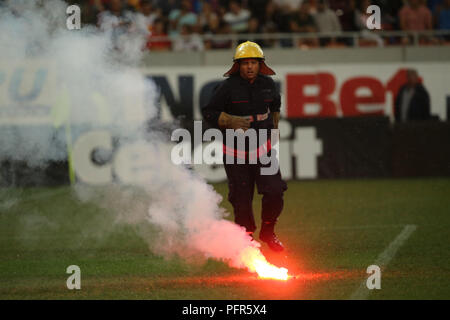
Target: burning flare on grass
x,y
254,260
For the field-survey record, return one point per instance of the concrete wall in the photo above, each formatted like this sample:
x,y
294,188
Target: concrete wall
x,y
304,57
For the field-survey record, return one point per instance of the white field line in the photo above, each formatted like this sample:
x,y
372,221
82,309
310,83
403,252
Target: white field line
x,y
383,260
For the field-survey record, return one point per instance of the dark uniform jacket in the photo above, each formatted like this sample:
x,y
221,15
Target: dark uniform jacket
x,y
419,106
238,97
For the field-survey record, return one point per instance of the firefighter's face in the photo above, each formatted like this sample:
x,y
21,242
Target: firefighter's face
x,y
249,68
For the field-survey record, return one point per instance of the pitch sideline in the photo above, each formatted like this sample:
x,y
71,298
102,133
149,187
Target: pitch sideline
x,y
383,259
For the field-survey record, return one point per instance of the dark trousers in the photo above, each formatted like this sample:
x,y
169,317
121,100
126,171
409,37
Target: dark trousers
x,y
241,183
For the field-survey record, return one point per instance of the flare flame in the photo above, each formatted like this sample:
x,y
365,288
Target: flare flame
x,y
254,260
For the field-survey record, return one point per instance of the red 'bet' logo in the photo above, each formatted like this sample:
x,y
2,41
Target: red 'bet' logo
x,y
348,98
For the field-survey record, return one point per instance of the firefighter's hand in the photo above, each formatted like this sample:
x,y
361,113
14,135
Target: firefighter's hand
x,y
227,121
276,119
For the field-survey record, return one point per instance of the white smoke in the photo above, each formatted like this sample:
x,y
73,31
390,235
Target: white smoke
x,y
87,81
97,84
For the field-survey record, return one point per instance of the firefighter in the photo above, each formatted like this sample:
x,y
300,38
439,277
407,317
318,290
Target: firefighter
x,y
248,98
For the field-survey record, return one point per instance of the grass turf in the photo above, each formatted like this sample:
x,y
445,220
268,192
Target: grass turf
x,y
333,230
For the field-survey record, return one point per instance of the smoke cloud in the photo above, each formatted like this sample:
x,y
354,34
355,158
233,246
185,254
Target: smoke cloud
x,y
96,84
81,79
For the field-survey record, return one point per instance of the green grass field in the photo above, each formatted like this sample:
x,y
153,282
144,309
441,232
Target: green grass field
x,y
333,230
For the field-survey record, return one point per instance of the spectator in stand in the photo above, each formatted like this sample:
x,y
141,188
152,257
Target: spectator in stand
x,y
254,27
237,17
112,18
326,20
197,5
414,16
132,5
147,16
361,21
442,16
281,17
413,100
303,22
98,4
90,10
117,20
113,8
149,11
389,13
257,8
270,21
188,40
215,26
339,6
345,10
167,6
182,16
313,6
288,6
212,25
222,10
434,4
205,15
348,16
154,42
271,18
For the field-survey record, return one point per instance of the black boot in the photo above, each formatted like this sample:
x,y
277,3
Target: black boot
x,y
268,235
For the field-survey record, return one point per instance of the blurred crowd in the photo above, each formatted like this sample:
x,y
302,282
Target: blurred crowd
x,y
163,19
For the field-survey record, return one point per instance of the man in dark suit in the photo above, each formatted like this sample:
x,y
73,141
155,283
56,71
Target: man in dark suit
x,y
413,100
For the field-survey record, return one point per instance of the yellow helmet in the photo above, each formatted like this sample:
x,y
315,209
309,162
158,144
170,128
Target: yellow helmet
x,y
249,50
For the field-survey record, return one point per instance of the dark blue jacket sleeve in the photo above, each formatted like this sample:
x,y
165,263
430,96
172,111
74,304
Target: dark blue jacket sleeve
x,y
276,103
216,105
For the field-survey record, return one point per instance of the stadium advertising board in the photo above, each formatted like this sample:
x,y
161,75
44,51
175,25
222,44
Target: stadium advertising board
x,y
307,92
325,132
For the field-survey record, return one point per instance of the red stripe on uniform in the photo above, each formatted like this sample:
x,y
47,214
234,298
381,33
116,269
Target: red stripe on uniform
x,y
262,150
240,101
